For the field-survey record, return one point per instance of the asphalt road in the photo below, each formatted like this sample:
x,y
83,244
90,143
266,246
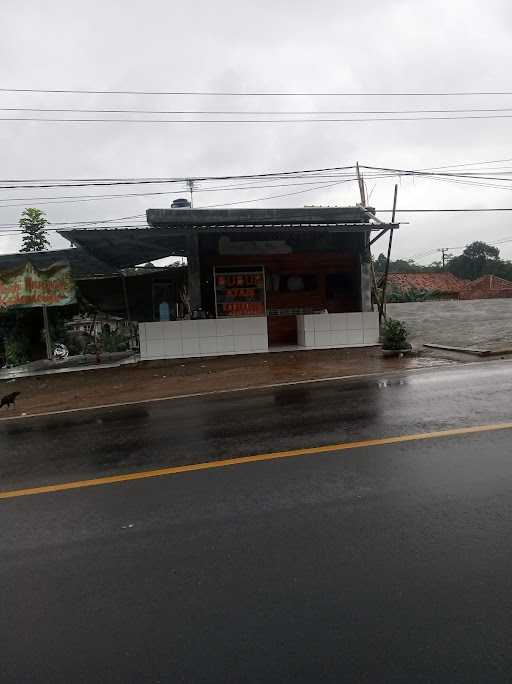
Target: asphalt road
x,y
388,563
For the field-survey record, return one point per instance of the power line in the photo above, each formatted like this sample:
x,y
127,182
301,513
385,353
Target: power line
x,y
406,172
87,198
207,206
427,211
249,112
210,93
266,121
78,183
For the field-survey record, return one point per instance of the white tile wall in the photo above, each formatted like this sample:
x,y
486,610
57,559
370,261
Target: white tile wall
x,y
189,329
208,346
354,321
190,347
211,337
354,337
224,327
338,330
322,338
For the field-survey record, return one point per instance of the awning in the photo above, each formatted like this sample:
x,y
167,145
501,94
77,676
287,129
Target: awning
x,y
169,230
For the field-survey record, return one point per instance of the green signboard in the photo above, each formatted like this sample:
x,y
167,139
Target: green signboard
x,y
28,286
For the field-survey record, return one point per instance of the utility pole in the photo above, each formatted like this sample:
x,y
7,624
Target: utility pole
x,y
386,272
444,251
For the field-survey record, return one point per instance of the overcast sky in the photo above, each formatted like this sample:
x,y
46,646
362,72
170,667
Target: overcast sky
x,y
268,45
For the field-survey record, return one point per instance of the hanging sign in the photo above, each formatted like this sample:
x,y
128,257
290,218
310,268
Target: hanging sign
x,y
28,286
240,293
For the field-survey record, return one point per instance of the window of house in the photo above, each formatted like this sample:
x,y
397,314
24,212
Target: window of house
x,y
294,282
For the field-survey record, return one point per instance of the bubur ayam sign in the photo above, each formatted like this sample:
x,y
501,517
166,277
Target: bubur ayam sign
x,y
28,286
240,294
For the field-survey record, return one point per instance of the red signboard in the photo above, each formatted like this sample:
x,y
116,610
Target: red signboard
x,y
240,293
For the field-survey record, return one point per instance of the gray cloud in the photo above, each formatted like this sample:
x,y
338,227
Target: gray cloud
x,y
280,45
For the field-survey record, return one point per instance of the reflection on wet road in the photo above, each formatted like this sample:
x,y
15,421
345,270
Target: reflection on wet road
x,y
99,442
386,563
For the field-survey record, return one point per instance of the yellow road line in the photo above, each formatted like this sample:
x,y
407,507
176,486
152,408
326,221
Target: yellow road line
x,y
175,470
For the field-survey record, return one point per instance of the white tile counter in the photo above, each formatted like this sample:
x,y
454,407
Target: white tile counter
x,y
210,337
325,331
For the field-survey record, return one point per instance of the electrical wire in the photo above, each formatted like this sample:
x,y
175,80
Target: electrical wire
x,y
34,119
87,198
258,93
248,112
79,183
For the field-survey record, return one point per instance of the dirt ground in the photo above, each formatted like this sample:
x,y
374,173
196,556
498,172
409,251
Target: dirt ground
x,y
157,379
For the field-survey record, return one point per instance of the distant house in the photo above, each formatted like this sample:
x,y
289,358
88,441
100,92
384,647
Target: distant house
x,y
487,287
445,284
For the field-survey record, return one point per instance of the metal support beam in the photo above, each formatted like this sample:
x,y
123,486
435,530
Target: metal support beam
x,y
379,235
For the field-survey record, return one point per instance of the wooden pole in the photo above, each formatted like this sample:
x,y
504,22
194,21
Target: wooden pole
x,y
127,308
361,185
367,240
386,272
47,337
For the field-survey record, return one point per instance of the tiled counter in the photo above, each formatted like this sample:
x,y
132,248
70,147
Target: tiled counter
x,y
324,331
210,337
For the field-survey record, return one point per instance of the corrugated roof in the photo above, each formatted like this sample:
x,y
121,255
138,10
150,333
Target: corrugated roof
x,y
281,216
83,265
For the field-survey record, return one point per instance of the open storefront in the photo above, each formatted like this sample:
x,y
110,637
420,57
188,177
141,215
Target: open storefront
x,y
257,280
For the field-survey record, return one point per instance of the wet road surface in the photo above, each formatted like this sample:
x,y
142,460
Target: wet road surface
x,y
84,444
387,563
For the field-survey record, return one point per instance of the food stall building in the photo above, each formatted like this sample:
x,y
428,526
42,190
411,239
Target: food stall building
x,y
258,279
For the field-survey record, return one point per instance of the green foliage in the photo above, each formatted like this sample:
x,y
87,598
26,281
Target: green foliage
x,y
15,332
113,341
34,234
405,266
395,335
17,350
413,294
476,260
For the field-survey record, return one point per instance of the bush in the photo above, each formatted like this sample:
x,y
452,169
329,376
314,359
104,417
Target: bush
x,y
113,342
413,294
395,335
17,349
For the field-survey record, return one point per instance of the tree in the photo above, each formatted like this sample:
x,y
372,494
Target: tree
x,y
476,260
33,225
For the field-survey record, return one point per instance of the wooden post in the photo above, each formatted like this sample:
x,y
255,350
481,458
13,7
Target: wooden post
x,y
47,337
360,182
127,308
194,272
385,279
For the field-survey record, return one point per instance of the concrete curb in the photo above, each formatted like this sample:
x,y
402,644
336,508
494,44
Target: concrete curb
x,y
462,350
5,376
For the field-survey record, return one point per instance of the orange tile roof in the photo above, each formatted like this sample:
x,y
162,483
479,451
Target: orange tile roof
x,y
491,282
441,282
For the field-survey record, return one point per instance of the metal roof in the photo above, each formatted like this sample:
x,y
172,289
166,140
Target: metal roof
x,y
293,218
83,265
169,229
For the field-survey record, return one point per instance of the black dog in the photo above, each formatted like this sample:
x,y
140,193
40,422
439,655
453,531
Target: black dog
x,y
9,399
